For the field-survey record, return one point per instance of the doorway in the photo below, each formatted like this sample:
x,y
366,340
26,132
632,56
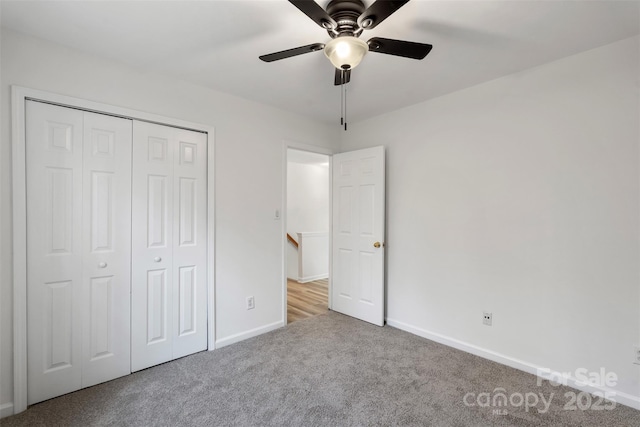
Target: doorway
x,y
307,231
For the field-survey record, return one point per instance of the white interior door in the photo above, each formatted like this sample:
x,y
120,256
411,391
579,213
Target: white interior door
x,y
78,196
358,234
169,304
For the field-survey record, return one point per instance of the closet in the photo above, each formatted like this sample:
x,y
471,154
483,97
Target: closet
x,y
116,247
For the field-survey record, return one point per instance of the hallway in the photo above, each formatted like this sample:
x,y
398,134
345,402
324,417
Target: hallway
x,y
306,299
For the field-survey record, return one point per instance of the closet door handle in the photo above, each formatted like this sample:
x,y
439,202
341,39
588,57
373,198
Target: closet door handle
x,y
157,259
102,265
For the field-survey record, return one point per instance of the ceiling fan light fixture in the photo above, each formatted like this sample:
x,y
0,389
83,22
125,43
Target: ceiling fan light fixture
x,y
346,52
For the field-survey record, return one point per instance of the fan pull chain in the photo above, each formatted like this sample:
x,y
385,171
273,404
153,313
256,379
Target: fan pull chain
x,y
345,108
341,97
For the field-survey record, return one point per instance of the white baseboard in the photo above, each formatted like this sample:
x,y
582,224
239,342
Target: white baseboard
x,y
249,334
312,278
620,397
6,409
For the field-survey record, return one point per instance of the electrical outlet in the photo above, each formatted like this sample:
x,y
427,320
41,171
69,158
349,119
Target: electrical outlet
x,y
487,318
636,354
251,303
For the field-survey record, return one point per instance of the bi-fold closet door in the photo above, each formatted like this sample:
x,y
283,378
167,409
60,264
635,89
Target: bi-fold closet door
x,y
78,249
116,230
169,244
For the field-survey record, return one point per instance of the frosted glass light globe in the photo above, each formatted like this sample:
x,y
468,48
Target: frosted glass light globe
x,y
346,52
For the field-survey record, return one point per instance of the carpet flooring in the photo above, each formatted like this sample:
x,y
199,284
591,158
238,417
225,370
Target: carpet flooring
x,y
328,370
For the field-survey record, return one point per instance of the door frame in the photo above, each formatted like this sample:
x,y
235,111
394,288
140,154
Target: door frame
x,y
19,96
311,149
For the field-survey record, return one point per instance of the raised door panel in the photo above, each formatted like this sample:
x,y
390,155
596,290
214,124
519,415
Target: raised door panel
x,y
157,225
343,284
107,248
58,335
157,313
152,242
187,304
59,210
54,250
187,211
345,223
102,211
102,316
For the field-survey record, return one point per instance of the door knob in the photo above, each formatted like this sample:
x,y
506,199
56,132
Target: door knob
x,y
157,259
376,245
102,265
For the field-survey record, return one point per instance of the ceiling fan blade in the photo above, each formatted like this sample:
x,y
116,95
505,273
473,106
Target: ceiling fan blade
x,y
378,12
315,12
292,52
399,48
337,80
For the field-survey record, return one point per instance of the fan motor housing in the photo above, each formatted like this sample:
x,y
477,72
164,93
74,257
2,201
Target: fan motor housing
x,y
345,13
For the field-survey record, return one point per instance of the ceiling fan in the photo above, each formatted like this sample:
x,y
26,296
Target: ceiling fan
x,y
345,20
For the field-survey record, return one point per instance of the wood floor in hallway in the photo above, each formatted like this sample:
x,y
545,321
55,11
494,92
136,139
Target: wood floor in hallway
x,y
306,299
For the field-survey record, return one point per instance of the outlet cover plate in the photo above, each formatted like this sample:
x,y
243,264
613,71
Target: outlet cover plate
x,y
487,318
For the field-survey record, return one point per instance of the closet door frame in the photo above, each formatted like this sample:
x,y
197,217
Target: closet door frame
x,y
19,96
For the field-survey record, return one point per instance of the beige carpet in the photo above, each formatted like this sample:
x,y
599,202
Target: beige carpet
x,y
328,370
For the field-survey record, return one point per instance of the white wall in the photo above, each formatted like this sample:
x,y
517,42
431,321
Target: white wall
x,y
249,168
307,204
292,261
307,197
521,197
313,256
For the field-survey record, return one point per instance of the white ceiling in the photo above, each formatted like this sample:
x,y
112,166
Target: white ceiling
x,y
217,43
307,158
